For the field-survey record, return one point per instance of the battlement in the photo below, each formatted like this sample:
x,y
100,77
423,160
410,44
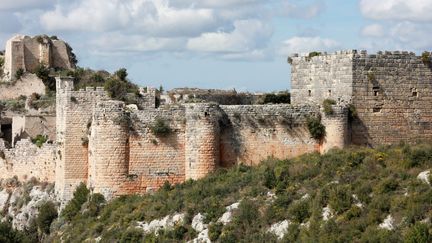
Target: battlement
x,y
353,54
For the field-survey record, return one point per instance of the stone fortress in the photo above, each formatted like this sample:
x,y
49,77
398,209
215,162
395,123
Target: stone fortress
x,y
114,149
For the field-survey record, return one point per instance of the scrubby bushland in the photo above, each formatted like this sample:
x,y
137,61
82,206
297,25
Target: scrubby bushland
x,y
279,98
119,88
361,186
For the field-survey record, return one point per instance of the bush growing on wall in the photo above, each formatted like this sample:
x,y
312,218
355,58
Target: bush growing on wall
x,y
19,73
426,57
327,105
39,140
316,128
160,128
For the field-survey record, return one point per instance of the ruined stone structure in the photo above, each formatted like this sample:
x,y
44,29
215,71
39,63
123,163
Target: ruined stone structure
x,y
119,149
27,53
115,150
390,91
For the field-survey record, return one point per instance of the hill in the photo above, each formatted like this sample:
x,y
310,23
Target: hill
x,y
350,195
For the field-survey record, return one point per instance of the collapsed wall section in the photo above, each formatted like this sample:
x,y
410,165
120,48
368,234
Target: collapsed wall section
x,y
326,76
254,133
26,161
392,96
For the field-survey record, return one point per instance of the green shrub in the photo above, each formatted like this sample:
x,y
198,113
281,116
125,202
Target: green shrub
x,y
160,128
43,73
426,57
316,128
19,73
121,74
352,112
132,235
73,207
314,54
47,214
327,105
419,233
279,98
9,234
340,198
215,230
39,140
299,211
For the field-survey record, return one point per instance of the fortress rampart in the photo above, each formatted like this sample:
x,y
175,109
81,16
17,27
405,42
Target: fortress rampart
x,y
116,149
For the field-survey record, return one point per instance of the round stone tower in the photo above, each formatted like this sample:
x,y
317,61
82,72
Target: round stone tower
x,y
337,132
109,148
202,139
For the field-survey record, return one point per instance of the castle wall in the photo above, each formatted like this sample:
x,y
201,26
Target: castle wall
x,y
392,95
322,77
109,148
26,160
74,110
251,134
154,158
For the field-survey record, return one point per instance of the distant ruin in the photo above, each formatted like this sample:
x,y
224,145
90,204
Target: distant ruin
x,y
27,53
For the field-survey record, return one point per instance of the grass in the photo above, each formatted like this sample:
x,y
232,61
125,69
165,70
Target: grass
x,y
384,180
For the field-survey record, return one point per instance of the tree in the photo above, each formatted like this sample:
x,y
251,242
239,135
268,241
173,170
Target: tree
x,y
47,214
121,74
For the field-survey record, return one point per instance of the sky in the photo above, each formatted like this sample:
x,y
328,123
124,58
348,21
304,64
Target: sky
x,y
223,44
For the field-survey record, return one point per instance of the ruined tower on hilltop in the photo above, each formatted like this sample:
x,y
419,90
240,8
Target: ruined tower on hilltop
x,y
27,53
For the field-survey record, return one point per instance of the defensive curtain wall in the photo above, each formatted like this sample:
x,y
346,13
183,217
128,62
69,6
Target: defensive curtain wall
x,y
115,150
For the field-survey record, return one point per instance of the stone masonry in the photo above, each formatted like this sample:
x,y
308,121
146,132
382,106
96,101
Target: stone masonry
x,y
390,92
114,149
27,53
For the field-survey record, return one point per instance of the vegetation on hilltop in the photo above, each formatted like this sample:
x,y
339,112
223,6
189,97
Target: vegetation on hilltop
x,y
360,186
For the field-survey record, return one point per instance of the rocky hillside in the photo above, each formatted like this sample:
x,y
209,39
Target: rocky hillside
x,y
351,195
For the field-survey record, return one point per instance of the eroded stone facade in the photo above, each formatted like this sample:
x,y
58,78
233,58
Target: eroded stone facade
x,y
27,53
390,91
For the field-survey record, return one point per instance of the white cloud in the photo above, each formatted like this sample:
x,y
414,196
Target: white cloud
x,y
414,10
307,44
154,17
120,43
248,35
24,4
373,30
